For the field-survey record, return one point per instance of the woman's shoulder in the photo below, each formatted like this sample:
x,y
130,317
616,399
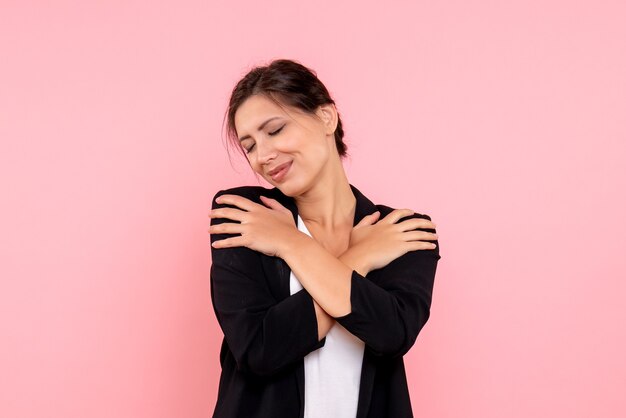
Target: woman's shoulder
x,y
250,192
366,206
385,210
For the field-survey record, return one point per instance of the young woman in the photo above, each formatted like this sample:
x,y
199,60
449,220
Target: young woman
x,y
319,291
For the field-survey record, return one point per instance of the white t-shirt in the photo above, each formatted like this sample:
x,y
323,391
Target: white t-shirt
x,y
332,374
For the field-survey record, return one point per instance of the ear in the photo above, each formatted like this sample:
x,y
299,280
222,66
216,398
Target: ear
x,y
328,113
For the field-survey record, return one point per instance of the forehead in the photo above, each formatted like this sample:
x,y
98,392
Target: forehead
x,y
255,110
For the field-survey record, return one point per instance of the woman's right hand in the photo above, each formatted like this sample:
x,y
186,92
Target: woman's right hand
x,y
379,243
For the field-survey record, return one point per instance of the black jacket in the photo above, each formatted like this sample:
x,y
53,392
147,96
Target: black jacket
x,y
267,331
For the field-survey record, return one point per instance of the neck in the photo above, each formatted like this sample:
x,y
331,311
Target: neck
x,y
329,204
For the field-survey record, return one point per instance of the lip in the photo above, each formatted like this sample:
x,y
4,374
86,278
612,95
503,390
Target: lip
x,y
279,172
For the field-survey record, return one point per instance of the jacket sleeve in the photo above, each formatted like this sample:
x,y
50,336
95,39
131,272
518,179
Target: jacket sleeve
x,y
264,335
391,305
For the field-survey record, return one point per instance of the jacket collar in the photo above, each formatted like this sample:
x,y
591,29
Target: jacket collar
x,y
364,206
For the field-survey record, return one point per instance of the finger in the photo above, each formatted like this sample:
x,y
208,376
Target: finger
x,y
273,203
369,219
236,200
225,228
421,245
229,213
397,214
415,223
228,242
419,236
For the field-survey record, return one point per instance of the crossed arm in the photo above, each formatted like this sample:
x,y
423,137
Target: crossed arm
x,y
386,310
326,277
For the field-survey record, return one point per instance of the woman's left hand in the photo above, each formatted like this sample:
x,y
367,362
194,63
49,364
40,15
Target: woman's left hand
x,y
263,229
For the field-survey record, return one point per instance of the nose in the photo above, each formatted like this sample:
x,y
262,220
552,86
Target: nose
x,y
265,152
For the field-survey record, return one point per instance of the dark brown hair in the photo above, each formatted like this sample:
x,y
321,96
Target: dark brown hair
x,y
285,82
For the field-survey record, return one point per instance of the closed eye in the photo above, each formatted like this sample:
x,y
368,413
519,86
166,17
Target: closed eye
x,y
270,134
277,131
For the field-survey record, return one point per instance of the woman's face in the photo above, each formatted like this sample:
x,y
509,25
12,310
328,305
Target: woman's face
x,y
272,136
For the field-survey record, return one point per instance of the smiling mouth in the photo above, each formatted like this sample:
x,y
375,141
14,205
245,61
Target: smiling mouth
x,y
280,171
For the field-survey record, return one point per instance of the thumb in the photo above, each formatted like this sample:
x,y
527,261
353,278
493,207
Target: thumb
x,y
369,219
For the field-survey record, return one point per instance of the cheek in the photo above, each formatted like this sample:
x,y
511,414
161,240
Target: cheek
x,y
320,152
310,163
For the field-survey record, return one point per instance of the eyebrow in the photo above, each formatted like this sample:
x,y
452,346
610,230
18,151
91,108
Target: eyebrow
x,y
260,127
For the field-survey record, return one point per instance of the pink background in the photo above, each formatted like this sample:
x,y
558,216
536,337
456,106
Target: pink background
x,y
506,118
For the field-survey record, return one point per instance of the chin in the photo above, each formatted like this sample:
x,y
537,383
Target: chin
x,y
287,190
